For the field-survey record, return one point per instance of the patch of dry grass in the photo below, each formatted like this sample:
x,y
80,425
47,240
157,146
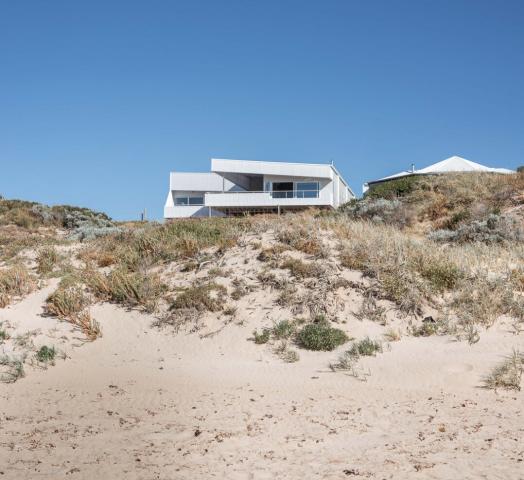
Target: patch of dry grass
x,y
47,259
508,374
300,269
154,244
206,297
302,238
70,303
133,289
15,281
66,302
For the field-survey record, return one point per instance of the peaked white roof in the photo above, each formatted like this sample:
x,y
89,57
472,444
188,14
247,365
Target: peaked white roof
x,y
451,164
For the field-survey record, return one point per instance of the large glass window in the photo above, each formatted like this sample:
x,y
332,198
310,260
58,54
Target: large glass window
x,y
196,200
181,200
307,189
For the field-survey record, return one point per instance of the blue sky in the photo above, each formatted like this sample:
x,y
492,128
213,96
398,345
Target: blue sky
x,y
99,100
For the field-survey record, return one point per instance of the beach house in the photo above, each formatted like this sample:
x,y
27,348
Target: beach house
x,y
235,187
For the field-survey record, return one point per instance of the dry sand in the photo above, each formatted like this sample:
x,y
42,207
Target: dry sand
x,y
143,403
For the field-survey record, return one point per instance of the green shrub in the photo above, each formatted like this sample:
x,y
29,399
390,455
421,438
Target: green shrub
x,y
427,329
365,347
283,330
260,338
46,354
394,188
321,336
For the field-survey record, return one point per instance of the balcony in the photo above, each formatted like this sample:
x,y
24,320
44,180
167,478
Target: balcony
x,y
265,199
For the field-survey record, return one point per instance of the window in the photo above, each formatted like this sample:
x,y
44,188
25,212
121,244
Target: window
x,y
282,190
189,200
196,200
307,189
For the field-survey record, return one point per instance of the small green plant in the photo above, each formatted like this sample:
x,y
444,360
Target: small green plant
x,y
13,369
283,330
290,356
427,329
230,310
392,335
46,354
4,335
321,336
365,347
508,374
261,338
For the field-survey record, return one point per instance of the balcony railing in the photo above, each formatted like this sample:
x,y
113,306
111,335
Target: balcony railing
x,y
261,199
278,193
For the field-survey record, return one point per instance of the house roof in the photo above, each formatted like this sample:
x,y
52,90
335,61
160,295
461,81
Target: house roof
x,y
449,165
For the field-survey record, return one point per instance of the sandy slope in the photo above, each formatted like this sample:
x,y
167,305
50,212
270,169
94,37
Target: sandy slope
x,y
147,404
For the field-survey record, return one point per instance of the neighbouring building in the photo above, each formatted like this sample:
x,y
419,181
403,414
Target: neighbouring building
x,y
234,187
450,165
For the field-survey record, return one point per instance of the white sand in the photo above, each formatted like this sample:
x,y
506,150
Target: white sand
x,y
142,403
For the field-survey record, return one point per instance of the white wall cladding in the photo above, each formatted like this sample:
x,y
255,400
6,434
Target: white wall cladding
x,y
198,182
272,168
193,211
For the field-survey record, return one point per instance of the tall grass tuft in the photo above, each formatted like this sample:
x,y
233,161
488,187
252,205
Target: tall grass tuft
x,y
133,289
15,281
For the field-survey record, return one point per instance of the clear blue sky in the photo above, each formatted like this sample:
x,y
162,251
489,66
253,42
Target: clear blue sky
x,y
99,100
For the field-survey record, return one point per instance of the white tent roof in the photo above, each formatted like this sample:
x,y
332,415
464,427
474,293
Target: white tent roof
x,y
451,164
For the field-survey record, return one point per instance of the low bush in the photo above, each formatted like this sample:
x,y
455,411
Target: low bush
x,y
45,354
378,210
321,336
494,229
394,188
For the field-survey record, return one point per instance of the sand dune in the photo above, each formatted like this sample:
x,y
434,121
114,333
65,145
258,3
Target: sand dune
x,y
147,404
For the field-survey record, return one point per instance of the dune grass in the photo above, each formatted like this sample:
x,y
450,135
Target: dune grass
x,y
507,374
15,281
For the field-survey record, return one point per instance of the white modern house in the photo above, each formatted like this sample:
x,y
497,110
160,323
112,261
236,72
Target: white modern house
x,y
235,187
449,165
